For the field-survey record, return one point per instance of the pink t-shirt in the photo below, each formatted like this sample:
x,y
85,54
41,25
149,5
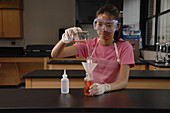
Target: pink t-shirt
x,y
108,54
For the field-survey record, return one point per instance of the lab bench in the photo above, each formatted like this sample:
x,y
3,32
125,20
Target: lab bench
x,y
13,68
51,100
138,79
152,65
75,64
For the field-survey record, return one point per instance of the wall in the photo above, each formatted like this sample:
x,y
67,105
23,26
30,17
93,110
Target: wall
x,y
131,12
42,20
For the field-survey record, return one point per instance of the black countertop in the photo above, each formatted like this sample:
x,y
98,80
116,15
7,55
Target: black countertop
x,y
51,100
66,61
152,62
148,74
20,56
79,62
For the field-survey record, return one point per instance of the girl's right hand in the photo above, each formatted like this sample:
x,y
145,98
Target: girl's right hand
x,y
67,37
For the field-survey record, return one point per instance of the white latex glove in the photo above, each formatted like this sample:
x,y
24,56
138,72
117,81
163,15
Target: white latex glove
x,y
98,89
67,37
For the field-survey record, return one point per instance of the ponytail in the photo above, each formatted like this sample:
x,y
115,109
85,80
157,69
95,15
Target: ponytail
x,y
116,36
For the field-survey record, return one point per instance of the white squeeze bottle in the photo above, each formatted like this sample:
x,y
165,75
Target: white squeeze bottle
x,y
64,83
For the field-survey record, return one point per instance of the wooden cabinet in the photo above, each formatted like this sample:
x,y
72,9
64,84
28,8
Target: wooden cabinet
x,y
1,27
11,4
11,19
79,83
13,68
11,26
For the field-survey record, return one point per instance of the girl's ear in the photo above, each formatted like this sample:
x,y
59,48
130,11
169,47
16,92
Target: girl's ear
x,y
118,26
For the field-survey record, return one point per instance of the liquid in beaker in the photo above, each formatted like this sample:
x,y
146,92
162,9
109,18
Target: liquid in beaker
x,y
87,84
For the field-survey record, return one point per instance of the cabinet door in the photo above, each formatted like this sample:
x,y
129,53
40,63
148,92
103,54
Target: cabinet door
x,y
12,24
1,23
11,4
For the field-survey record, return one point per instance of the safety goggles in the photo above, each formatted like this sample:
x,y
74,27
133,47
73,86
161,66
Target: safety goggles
x,y
108,25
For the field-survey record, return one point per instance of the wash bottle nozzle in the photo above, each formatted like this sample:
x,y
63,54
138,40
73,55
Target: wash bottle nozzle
x,y
64,75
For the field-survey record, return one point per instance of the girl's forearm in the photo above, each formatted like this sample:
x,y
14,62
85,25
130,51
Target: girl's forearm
x,y
119,84
123,78
57,50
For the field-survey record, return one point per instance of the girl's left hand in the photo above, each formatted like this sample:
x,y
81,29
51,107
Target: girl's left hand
x,y
98,89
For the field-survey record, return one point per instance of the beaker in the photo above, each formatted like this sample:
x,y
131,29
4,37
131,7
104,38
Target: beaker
x,y
88,81
81,37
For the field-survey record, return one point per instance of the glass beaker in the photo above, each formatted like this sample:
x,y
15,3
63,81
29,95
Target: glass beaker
x,y
88,81
81,37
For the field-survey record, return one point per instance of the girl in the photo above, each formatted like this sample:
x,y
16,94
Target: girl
x,y
114,56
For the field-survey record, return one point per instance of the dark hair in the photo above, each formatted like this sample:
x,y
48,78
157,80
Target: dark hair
x,y
112,11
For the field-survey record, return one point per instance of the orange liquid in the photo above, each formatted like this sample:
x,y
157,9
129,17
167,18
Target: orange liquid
x,y
87,84
79,41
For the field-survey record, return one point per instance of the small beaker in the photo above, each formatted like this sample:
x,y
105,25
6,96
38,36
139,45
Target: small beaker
x,y
88,81
81,37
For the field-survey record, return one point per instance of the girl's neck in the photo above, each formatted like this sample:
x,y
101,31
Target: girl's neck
x,y
106,42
